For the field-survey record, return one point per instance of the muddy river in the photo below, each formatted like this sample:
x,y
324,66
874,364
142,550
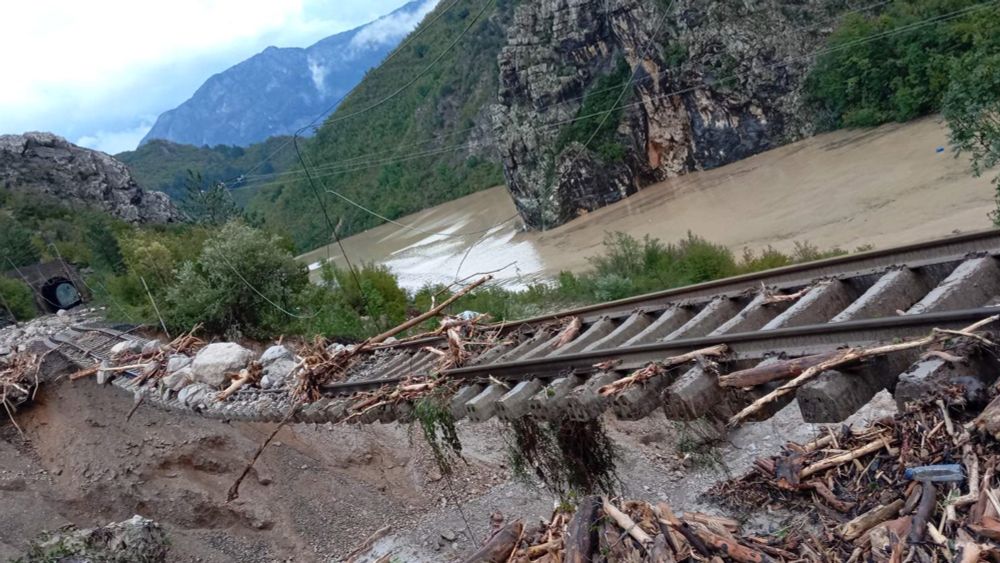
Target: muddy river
x,y
884,186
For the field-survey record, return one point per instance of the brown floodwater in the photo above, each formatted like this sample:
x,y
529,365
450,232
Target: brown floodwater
x,y
883,187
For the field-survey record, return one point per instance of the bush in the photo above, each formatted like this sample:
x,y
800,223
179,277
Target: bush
x,y
243,283
16,245
17,299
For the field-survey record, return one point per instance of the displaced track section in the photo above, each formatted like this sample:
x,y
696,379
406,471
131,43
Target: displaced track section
x,y
553,366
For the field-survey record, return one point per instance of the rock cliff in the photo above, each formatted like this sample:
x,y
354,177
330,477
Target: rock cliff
x,y
711,82
43,163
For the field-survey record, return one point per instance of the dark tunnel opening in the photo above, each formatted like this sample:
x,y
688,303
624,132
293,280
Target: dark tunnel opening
x,y
60,293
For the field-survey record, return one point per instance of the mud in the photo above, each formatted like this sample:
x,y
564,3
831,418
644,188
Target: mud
x,y
883,187
320,490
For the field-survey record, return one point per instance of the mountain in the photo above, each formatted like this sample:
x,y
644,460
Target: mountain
x,y
281,90
43,164
417,131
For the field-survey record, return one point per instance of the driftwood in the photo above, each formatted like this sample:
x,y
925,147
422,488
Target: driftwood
x,y
836,460
499,548
928,498
581,536
429,314
851,355
569,333
853,529
826,494
657,368
626,523
729,547
784,369
245,376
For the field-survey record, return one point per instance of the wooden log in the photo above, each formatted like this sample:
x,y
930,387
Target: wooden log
x,y
761,374
581,533
732,549
429,314
626,523
826,494
853,529
242,379
499,548
647,372
839,459
660,553
665,515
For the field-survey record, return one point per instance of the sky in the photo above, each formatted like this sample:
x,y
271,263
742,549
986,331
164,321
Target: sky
x,y
99,72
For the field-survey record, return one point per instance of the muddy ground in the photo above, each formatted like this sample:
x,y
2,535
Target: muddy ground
x,y
320,490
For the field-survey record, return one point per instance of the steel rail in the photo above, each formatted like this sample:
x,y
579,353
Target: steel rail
x,y
745,345
914,255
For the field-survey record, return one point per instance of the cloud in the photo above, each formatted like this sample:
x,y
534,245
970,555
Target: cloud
x,y
391,28
318,72
92,70
114,142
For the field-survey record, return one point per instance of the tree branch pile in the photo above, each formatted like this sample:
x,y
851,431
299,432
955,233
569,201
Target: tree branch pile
x,y
18,382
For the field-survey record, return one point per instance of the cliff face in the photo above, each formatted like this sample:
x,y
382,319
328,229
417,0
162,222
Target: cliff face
x,y
713,82
43,163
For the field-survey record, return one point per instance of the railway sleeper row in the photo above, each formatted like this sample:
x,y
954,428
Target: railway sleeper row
x,y
529,375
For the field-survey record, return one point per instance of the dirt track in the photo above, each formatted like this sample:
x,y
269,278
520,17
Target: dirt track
x,y
883,187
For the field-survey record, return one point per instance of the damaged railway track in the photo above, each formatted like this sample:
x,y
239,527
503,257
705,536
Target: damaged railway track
x,y
556,366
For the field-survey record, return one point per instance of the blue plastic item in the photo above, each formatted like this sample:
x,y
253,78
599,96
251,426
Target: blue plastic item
x,y
939,149
951,473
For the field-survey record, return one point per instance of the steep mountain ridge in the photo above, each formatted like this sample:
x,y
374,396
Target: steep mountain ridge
x,y
48,165
280,90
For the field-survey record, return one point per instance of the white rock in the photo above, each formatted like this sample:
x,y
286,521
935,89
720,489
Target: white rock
x,y
273,354
195,394
214,361
179,379
103,376
61,313
177,362
276,373
151,347
126,347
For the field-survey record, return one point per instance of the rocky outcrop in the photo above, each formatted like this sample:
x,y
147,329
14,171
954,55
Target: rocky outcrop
x,y
46,164
713,82
136,539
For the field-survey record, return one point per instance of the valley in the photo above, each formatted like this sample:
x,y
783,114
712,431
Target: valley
x,y
882,187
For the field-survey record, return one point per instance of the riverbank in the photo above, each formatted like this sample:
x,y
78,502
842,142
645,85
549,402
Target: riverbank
x,y
882,187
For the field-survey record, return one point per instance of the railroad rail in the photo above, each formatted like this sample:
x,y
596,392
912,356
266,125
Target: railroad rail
x,y
858,300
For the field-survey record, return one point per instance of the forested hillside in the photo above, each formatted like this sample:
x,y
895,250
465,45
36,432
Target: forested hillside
x,y
163,165
424,141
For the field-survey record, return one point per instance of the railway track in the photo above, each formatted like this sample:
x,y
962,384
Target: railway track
x,y
864,299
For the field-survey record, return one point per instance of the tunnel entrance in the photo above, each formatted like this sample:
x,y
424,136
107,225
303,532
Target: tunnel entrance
x,y
60,293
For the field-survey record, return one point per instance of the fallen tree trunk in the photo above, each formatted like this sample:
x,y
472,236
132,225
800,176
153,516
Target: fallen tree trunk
x,y
429,314
761,374
499,547
581,533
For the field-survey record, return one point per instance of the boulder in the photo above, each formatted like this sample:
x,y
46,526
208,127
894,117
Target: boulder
x,y
151,347
275,353
177,362
179,379
126,347
136,539
195,394
214,361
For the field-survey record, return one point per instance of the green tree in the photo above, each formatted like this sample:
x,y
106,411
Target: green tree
x,y
972,108
243,283
208,203
16,245
106,253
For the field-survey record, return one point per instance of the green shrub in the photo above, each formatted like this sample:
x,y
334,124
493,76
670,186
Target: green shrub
x,y
17,299
243,283
16,245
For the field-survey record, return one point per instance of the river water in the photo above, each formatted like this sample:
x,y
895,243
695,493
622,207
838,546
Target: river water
x,y
886,186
